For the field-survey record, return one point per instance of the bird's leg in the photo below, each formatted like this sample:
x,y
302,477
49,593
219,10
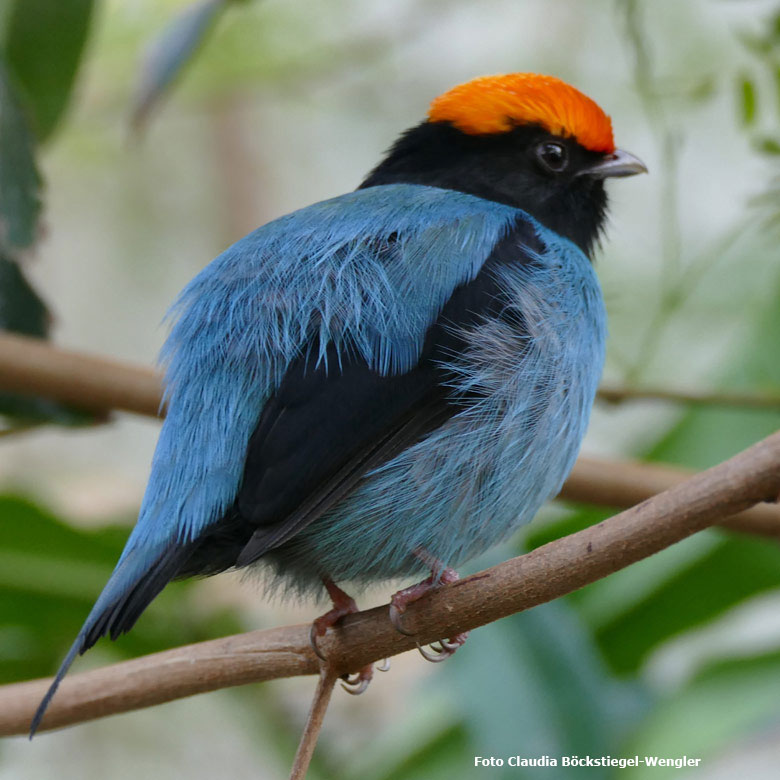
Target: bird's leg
x,y
343,604
444,648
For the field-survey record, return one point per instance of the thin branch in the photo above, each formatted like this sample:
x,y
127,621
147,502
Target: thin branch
x,y
757,401
623,483
311,731
35,367
546,573
38,368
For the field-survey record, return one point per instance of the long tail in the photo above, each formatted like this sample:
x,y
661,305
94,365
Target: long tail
x,y
139,576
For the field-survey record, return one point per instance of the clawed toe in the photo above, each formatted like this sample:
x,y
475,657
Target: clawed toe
x,y
355,684
396,618
443,649
342,605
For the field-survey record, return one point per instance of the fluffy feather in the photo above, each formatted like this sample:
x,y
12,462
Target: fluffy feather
x,y
323,272
469,484
366,275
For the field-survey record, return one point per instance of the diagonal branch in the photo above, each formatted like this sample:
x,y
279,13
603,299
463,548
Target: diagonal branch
x,y
546,573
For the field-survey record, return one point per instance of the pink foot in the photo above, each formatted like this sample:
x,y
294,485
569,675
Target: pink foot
x,y
343,604
444,648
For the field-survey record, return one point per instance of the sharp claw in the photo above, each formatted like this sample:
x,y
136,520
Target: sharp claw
x,y
313,641
396,619
384,666
449,645
355,685
436,657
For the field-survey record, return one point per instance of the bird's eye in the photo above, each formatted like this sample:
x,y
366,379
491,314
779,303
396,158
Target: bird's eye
x,y
554,157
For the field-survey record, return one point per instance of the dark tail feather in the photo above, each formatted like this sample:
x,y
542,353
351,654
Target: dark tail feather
x,y
62,671
131,588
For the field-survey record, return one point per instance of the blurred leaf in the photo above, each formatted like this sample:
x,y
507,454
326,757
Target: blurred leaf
x,y
718,570
747,100
441,758
732,571
23,311
42,41
51,574
43,44
702,90
167,56
19,180
534,684
757,44
767,145
728,704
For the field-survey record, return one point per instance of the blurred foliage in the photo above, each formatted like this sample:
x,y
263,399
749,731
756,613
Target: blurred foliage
x,y
572,677
50,574
19,179
45,82
171,52
34,91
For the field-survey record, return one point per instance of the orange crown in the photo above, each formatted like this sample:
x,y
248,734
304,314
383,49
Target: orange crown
x,y
496,104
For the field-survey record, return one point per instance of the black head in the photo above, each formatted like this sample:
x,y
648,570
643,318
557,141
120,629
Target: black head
x,y
552,178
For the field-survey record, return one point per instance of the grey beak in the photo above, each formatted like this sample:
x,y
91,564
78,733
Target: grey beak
x,y
619,163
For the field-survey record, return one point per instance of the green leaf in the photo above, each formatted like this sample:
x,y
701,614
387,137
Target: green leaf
x,y
442,757
167,56
51,574
19,180
728,705
43,45
534,684
21,308
747,100
767,145
700,579
734,570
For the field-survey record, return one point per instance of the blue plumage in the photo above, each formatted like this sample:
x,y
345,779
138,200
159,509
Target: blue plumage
x,y
368,273
391,380
470,483
325,270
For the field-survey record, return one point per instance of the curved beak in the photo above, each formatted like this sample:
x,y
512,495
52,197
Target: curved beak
x,y
619,163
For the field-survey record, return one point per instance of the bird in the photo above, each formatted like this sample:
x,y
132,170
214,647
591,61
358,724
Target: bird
x,y
387,383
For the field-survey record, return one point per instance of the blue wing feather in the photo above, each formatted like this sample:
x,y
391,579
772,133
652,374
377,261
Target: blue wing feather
x,y
328,270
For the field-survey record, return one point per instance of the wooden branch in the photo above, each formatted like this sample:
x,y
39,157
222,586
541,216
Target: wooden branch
x,y
35,367
624,483
311,730
618,395
38,368
546,573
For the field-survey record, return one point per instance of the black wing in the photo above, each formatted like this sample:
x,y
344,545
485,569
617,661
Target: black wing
x,y
327,425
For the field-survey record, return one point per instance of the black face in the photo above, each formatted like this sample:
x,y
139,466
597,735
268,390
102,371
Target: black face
x,y
526,167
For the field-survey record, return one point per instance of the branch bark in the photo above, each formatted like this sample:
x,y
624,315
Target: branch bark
x,y
36,367
546,573
618,395
624,483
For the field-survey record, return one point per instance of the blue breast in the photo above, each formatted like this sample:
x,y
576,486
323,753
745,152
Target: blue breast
x,y
471,483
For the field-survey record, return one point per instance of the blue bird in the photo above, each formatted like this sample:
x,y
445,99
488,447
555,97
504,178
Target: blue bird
x,y
392,381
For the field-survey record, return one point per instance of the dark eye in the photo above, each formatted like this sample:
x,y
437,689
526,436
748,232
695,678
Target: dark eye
x,y
554,157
